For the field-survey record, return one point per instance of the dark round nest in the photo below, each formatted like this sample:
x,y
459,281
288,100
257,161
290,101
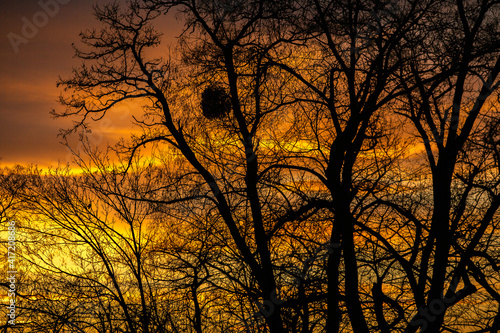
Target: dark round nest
x,y
215,101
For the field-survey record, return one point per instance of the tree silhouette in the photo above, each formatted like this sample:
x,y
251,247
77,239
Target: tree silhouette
x,y
315,166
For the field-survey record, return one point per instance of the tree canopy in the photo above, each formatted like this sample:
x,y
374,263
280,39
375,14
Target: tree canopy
x,y
301,166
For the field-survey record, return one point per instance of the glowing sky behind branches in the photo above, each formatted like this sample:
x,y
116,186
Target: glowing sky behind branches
x,y
28,133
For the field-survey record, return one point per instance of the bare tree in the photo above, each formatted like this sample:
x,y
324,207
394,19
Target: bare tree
x,y
90,252
454,118
289,126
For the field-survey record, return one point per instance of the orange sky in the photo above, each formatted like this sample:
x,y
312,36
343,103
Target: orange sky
x,y
28,92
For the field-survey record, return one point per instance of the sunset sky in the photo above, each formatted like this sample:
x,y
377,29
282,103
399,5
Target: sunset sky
x,y
28,133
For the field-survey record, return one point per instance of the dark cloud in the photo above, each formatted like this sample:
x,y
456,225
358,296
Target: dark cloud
x,y
28,75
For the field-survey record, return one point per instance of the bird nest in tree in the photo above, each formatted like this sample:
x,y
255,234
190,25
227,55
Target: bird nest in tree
x,y
215,102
